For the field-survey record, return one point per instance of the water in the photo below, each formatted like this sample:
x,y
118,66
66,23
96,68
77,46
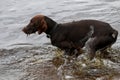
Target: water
x,y
15,14
29,58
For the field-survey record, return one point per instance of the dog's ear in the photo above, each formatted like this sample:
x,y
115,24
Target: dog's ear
x,y
43,25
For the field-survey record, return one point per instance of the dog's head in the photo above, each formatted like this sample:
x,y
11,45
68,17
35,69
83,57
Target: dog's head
x,y
37,23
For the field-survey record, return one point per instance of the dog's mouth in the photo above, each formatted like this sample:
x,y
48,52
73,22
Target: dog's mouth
x,y
29,31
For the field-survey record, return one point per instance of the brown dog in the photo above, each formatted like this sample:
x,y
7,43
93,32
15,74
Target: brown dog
x,y
92,34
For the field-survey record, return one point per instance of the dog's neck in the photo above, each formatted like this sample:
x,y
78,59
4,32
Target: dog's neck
x,y
51,26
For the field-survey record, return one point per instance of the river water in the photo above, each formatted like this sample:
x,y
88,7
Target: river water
x,y
19,54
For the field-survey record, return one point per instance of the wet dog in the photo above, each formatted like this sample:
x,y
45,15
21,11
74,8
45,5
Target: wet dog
x,y
71,37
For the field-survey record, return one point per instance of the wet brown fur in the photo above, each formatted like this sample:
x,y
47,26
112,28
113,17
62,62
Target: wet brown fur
x,y
73,36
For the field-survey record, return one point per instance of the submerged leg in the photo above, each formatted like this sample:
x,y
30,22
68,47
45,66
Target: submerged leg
x,y
73,52
104,53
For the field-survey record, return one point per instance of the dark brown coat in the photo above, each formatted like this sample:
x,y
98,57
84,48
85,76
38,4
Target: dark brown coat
x,y
92,34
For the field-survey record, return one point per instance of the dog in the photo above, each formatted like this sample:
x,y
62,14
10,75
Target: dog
x,y
73,36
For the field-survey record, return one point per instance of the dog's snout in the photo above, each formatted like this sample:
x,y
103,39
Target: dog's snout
x,y
24,30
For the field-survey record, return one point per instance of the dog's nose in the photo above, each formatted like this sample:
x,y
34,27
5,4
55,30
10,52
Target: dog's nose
x,y
24,30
